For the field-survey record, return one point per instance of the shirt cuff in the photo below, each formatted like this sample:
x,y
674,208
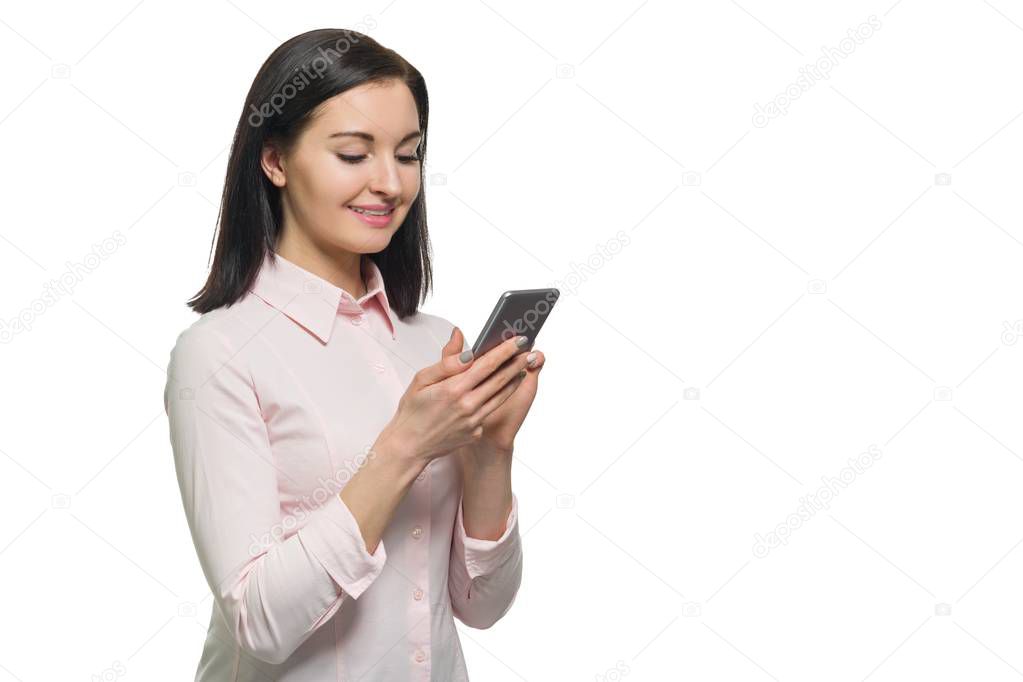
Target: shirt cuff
x,y
483,557
333,536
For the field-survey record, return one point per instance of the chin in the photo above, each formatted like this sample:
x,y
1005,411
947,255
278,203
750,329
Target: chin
x,y
373,241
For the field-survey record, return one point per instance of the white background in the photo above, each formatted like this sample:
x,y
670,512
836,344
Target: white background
x,y
845,277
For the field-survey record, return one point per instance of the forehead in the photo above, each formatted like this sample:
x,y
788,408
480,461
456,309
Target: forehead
x,y
385,110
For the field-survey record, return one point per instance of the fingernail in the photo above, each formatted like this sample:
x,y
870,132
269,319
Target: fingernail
x,y
465,357
521,341
531,359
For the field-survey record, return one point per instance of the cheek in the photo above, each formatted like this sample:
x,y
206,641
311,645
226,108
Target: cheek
x,y
410,183
333,184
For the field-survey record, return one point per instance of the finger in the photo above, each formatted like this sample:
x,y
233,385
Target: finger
x,y
490,361
538,360
498,398
451,362
497,380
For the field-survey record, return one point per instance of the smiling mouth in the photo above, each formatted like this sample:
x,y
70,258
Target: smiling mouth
x,y
366,211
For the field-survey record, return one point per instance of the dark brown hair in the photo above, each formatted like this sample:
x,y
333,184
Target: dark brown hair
x,y
291,84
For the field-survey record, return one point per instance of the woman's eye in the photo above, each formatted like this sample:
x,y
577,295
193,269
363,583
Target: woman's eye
x,y
358,159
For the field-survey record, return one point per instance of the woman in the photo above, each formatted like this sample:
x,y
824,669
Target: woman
x,y
344,461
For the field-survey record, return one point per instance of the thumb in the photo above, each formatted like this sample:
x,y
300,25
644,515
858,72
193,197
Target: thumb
x,y
454,344
450,363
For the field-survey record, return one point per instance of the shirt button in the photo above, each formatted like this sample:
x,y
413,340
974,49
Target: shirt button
x,y
418,594
358,319
417,532
420,656
378,366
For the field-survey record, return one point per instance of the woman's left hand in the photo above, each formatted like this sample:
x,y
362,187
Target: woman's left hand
x,y
501,425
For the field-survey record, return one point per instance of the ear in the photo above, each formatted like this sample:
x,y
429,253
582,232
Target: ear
x,y
273,164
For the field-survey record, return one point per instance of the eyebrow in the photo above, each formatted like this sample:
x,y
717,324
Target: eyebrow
x,y
369,138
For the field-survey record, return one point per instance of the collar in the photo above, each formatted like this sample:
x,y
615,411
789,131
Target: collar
x,y
313,302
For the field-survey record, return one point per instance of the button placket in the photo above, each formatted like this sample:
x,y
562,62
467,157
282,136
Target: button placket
x,y
419,553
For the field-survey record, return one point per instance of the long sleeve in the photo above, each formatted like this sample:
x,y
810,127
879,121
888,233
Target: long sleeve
x,y
484,575
273,595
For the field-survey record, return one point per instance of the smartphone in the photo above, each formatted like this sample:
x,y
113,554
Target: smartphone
x,y
520,312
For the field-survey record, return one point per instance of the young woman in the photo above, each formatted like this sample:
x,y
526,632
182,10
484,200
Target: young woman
x,y
344,462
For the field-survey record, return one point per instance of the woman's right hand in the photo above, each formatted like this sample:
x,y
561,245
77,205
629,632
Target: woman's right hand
x,y
444,406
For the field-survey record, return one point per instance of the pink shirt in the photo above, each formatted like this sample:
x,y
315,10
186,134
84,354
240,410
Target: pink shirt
x,y
272,403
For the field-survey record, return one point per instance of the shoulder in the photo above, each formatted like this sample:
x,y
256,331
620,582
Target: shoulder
x,y
209,363
211,342
436,326
204,333
232,325
439,328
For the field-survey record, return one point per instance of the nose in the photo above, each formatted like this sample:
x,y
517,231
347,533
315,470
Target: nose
x,y
385,179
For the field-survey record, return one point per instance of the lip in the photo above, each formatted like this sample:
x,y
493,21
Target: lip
x,y
374,220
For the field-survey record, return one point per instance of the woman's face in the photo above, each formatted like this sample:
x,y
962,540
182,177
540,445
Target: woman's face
x,y
359,150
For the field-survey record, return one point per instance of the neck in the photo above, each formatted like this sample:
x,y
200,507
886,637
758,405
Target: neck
x,y
341,268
